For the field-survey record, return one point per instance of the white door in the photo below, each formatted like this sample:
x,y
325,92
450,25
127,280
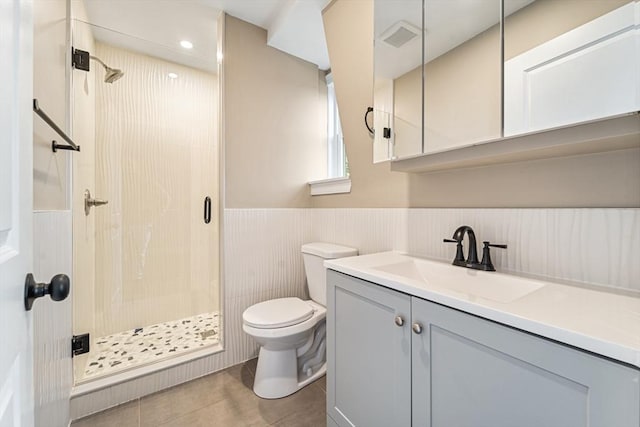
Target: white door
x,y
16,193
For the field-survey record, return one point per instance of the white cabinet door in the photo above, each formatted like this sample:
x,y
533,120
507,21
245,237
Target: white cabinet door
x,y
16,388
588,73
471,372
368,354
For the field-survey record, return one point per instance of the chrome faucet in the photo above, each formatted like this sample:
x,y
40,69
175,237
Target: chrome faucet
x,y
472,257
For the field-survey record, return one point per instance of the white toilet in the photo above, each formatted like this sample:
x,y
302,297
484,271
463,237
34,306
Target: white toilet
x,y
291,332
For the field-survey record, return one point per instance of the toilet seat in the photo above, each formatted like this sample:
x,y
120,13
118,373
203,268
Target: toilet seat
x,y
277,313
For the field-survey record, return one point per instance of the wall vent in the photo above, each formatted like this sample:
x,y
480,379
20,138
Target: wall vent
x,y
400,34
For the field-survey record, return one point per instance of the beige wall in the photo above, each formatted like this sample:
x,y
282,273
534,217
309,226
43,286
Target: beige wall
x,y
608,179
274,109
50,170
349,31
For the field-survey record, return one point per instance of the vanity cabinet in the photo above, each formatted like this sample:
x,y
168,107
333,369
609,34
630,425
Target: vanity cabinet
x,y
368,354
456,369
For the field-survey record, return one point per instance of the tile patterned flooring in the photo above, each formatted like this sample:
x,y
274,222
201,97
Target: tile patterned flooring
x,y
123,350
222,399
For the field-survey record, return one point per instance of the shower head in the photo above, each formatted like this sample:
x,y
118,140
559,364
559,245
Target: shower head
x,y
111,74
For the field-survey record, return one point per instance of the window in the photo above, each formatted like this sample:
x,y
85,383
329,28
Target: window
x,y
337,165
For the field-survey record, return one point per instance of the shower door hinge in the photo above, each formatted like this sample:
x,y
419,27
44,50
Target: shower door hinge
x,y
79,344
80,59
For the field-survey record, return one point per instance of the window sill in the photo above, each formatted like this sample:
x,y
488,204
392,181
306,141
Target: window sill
x,y
330,186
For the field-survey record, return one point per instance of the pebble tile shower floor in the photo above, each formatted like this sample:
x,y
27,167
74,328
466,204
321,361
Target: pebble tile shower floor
x,y
140,346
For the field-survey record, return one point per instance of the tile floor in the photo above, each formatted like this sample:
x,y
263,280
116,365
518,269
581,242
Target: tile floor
x,y
223,399
135,347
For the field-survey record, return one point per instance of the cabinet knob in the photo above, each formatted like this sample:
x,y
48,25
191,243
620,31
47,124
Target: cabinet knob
x,y
399,320
417,328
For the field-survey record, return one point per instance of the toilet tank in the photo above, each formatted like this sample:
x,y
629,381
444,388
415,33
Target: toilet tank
x,y
314,255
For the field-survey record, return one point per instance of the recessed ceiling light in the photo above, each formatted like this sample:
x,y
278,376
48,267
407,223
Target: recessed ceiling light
x,y
172,75
186,44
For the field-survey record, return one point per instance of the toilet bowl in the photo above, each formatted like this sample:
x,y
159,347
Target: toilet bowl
x,y
291,332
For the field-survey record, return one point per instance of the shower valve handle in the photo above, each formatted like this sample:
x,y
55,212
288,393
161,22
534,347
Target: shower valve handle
x,y
97,202
89,202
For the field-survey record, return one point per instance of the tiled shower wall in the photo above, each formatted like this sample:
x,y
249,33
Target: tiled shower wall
x,y
263,261
151,236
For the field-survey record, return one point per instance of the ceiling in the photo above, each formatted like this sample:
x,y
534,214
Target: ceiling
x,y
156,27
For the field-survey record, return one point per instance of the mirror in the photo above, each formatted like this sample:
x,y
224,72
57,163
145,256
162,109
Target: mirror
x,y
462,73
561,62
397,79
454,98
570,61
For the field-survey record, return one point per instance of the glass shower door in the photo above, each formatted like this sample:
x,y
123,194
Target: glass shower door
x,y
146,262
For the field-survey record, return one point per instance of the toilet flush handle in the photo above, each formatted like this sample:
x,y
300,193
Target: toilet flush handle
x,y
399,320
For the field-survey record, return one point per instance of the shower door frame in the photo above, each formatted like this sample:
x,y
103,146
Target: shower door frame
x,y
91,387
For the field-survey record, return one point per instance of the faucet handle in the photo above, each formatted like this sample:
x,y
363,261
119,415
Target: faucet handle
x,y
494,245
459,259
486,263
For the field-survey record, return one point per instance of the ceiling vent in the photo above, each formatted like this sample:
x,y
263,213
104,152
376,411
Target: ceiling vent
x,y
400,34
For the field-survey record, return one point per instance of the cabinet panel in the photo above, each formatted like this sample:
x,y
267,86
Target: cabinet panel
x,y
368,355
580,69
468,371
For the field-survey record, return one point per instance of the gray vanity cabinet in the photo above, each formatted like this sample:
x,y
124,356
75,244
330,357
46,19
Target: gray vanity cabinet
x,y
368,354
471,372
459,370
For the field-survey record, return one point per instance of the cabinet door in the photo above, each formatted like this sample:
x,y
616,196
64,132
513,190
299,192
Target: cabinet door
x,y
471,372
368,354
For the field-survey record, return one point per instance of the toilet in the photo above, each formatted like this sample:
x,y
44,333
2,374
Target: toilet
x,y
291,332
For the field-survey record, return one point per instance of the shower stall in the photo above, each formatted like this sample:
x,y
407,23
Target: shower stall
x,y
145,199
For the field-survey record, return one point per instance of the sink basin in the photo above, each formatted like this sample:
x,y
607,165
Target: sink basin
x,y
489,285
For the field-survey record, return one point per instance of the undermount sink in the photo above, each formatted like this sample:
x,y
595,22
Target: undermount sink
x,y
492,286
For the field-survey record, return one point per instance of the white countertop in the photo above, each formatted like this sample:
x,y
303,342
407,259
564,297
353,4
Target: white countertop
x,y
600,322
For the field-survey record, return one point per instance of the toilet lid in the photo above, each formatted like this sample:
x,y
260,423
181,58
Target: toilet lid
x,y
277,313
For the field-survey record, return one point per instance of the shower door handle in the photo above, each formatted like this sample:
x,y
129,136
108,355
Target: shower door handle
x,y
207,210
89,202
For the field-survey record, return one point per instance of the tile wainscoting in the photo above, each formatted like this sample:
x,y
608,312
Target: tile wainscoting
x,y
262,260
589,246
52,371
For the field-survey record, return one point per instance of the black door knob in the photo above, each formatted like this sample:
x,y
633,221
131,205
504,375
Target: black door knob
x,y
58,289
